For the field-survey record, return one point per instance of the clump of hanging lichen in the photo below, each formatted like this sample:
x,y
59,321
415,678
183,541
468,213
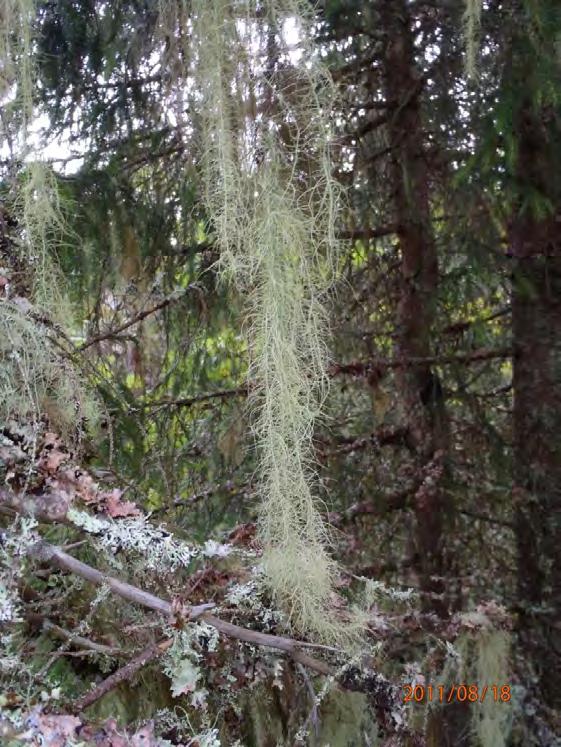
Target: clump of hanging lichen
x,y
492,719
16,67
471,29
272,204
35,379
483,658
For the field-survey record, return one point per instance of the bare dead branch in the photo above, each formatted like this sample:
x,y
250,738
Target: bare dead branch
x,y
367,368
240,391
384,436
121,675
73,638
46,553
54,556
135,320
385,696
368,233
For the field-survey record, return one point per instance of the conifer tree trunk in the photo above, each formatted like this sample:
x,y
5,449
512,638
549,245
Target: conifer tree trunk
x,y
536,306
419,386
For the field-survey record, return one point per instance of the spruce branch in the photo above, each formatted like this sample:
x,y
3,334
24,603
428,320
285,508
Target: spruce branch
x,y
54,556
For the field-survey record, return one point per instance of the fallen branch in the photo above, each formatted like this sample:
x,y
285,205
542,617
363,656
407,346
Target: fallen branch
x,y
46,553
385,697
54,556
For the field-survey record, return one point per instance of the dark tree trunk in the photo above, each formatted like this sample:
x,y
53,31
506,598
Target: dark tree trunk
x,y
536,305
419,386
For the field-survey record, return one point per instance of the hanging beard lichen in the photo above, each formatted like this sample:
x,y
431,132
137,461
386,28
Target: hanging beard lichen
x,y
16,69
492,722
480,656
471,28
35,379
272,204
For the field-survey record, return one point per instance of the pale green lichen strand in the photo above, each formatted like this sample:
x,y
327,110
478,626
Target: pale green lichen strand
x,y
272,201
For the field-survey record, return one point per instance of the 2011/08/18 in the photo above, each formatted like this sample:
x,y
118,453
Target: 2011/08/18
x,y
458,693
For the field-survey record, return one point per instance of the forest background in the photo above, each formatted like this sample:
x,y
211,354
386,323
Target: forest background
x,y
280,372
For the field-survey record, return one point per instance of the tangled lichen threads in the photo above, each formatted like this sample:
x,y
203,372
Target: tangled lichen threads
x,y
272,203
471,28
221,67
289,363
34,379
43,224
484,659
16,59
492,719
36,200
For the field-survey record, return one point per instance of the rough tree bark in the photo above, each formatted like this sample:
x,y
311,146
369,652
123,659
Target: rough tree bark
x,y
535,243
419,386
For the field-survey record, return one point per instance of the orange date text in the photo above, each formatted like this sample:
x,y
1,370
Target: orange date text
x,y
462,693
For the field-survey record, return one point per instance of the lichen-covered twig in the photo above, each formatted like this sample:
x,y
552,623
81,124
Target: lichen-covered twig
x,y
46,553
73,638
384,695
121,675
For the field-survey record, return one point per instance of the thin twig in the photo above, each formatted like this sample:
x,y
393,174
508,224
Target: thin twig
x,y
46,553
135,320
229,487
365,368
384,436
121,675
313,716
240,391
73,638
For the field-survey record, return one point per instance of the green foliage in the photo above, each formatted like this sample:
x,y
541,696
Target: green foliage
x,y
211,178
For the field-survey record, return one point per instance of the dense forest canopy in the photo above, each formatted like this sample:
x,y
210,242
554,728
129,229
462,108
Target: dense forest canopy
x,y
280,372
